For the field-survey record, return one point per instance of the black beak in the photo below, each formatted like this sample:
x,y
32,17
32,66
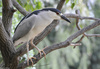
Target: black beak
x,y
63,17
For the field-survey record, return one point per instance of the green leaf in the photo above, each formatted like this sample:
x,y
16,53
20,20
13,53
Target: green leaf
x,y
81,26
72,5
67,1
75,1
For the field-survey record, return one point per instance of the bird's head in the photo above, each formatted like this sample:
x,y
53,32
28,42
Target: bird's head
x,y
55,14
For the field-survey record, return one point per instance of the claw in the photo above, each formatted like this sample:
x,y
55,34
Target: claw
x,y
43,53
30,60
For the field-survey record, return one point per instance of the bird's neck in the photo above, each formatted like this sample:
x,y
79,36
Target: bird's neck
x,y
46,16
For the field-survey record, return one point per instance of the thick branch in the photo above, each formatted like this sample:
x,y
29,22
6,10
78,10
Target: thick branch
x,y
22,50
7,49
60,4
19,7
7,14
6,44
60,45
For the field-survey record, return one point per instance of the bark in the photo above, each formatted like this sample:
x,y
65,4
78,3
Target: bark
x,y
7,13
7,49
6,44
19,8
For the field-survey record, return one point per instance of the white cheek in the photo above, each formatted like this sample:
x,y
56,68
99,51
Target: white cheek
x,y
54,15
57,17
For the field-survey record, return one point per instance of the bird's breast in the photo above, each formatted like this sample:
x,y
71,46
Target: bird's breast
x,y
39,25
38,28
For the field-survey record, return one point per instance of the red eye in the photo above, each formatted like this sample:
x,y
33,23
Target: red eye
x,y
57,13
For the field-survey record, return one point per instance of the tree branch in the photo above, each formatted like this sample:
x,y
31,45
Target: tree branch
x,y
6,44
7,50
77,16
60,4
92,35
7,13
80,17
60,45
78,27
0,20
19,7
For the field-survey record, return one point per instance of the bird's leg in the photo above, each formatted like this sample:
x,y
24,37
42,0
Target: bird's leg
x,y
38,48
28,55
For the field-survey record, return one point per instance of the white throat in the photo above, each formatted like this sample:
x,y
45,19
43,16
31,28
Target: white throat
x,y
45,15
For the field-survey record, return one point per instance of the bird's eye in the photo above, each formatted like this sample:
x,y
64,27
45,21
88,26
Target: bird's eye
x,y
57,13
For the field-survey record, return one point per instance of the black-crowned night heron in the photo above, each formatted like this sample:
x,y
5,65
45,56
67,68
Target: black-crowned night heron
x,y
34,23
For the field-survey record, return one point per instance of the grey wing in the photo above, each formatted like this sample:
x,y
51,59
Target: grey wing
x,y
23,28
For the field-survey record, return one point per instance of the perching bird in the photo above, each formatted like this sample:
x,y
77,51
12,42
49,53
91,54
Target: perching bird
x,y
34,23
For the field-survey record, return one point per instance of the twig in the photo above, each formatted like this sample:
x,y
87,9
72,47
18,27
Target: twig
x,y
92,35
77,19
19,7
80,39
78,27
80,17
84,34
75,44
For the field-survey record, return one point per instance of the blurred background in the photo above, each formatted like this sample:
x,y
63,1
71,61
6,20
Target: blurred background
x,y
86,56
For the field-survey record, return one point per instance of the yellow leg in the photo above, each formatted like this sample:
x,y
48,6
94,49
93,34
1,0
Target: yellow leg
x,y
38,48
28,55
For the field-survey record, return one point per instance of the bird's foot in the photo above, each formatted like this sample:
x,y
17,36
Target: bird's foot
x,y
40,51
30,60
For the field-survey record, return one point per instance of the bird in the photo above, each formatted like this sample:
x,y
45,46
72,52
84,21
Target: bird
x,y
33,24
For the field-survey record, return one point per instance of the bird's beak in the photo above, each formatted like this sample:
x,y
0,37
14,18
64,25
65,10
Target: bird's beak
x,y
63,17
